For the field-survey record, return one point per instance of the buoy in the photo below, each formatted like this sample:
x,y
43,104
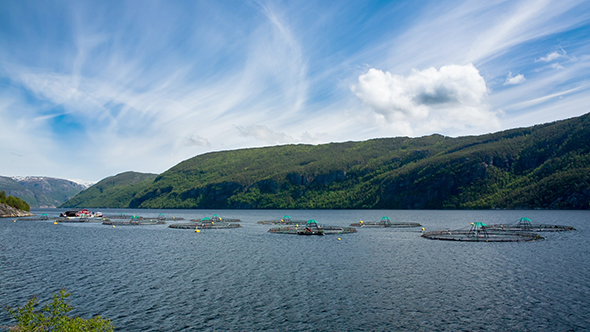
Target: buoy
x,y
197,231
422,229
113,226
55,222
15,220
339,239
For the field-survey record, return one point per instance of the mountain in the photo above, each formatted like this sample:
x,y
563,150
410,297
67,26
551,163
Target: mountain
x,y
39,191
544,166
113,192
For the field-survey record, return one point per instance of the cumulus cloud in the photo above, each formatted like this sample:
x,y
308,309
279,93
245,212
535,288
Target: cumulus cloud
x,y
451,97
514,79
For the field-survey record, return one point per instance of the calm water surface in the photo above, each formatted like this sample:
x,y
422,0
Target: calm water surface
x,y
154,278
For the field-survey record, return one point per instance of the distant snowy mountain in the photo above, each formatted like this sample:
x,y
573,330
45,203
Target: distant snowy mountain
x,y
41,191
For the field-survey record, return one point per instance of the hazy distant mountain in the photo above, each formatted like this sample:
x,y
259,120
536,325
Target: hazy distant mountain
x,y
40,191
544,166
113,192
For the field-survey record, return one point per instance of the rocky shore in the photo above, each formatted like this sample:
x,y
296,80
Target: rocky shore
x,y
7,211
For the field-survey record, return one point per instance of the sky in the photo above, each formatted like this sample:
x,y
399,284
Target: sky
x,y
90,89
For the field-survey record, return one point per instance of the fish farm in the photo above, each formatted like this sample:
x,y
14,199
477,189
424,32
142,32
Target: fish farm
x,y
524,224
385,222
286,220
81,219
480,232
135,221
214,222
215,218
311,227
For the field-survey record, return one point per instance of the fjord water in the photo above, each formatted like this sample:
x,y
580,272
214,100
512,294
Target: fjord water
x,y
155,278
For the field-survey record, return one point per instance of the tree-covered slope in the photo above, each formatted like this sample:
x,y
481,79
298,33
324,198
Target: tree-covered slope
x,y
544,166
112,192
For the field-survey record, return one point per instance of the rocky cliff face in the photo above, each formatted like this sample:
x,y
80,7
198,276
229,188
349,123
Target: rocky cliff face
x,y
7,211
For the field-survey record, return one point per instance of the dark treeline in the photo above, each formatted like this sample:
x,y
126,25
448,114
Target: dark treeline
x,y
15,202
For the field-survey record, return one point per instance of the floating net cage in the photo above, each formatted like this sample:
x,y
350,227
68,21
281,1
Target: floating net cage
x,y
163,217
311,227
480,232
525,224
121,215
81,219
135,221
206,225
385,222
285,220
215,218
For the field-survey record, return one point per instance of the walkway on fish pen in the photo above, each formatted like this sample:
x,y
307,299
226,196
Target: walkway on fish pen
x,y
205,226
385,222
479,232
311,227
286,220
525,224
215,218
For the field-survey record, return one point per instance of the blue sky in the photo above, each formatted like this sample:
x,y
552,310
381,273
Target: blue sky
x,y
90,89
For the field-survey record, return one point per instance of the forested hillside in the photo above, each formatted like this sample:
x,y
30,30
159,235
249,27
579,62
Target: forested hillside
x,y
113,192
545,166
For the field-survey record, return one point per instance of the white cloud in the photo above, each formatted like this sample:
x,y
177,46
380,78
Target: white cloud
x,y
552,56
514,79
431,99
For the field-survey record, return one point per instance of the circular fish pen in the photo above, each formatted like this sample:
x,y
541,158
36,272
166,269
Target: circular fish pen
x,y
205,225
385,222
311,227
525,224
80,219
162,217
215,218
135,221
286,220
479,232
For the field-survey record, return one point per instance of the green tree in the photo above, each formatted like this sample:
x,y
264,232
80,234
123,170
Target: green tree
x,y
53,317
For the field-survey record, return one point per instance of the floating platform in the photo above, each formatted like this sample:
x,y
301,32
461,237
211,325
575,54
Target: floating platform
x,y
135,222
385,222
121,216
525,224
215,218
205,225
162,217
311,227
479,232
81,219
286,220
